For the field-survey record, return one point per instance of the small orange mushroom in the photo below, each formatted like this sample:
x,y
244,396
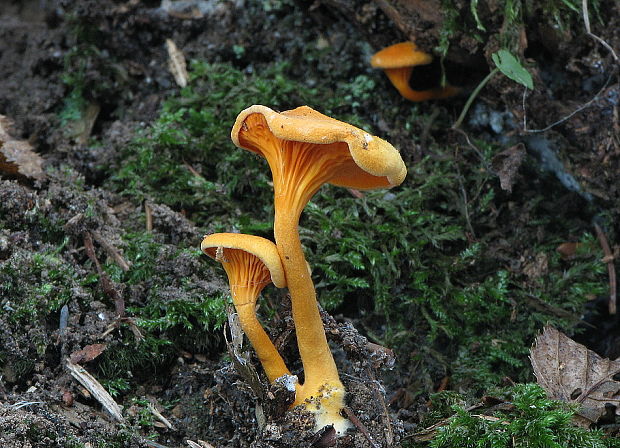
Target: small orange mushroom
x,y
398,61
304,150
251,263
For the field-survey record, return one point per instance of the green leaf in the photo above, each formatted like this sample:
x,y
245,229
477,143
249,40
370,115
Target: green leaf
x,y
511,67
474,10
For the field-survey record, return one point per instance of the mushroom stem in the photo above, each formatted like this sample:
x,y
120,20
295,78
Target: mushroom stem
x,y
400,79
297,176
322,392
270,359
318,362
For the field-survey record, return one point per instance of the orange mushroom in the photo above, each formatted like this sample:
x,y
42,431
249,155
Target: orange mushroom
x,y
251,263
304,150
398,61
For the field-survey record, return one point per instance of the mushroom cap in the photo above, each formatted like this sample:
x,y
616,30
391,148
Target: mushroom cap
x,y
403,54
376,163
261,248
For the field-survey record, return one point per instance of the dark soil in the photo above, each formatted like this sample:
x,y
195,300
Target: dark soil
x,y
41,405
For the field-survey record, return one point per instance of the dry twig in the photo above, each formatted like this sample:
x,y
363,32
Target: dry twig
x,y
159,416
106,284
110,289
586,19
360,426
148,212
112,251
96,389
200,444
611,269
569,116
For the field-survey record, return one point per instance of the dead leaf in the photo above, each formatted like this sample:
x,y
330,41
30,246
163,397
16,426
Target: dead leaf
x,y
356,193
81,128
568,371
567,250
536,266
200,444
192,9
87,354
17,157
176,63
506,164
240,358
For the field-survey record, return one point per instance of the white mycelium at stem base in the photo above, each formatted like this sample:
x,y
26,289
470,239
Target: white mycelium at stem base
x,y
306,149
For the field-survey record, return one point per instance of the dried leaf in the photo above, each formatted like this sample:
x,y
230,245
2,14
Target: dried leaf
x,y
200,444
241,358
567,250
82,126
536,266
568,371
176,63
189,9
17,157
507,164
88,353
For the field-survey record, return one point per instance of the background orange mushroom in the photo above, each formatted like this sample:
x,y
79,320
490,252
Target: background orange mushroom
x,y
398,61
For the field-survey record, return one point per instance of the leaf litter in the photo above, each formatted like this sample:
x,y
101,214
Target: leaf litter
x,y
570,372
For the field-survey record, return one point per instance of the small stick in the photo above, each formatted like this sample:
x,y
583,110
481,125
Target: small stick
x,y
111,250
355,193
96,389
465,201
200,444
148,211
159,416
611,269
356,421
154,444
23,404
193,170
386,414
106,284
586,20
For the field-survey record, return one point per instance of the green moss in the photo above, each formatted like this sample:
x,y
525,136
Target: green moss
x,y
408,258
33,286
152,267
531,420
82,62
173,312
187,161
507,19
